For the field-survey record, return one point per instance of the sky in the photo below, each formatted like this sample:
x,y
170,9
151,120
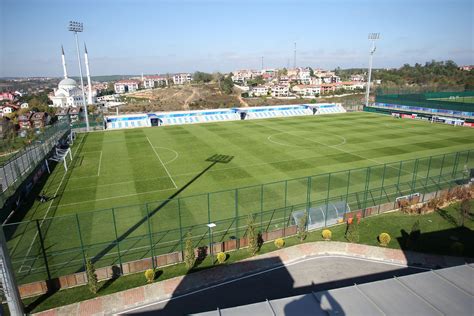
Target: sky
x,y
135,36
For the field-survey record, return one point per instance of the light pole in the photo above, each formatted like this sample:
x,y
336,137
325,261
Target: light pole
x,y
77,27
7,278
373,37
211,226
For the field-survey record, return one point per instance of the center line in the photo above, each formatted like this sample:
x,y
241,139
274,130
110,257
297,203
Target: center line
x,y
169,175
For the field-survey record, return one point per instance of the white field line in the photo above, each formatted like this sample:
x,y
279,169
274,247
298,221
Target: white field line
x,y
284,265
100,161
44,217
79,145
166,169
116,197
334,147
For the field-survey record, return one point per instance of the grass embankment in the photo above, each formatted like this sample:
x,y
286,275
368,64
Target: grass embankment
x,y
439,230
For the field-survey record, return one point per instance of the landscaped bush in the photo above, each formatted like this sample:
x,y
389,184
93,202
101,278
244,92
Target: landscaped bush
x,y
384,239
221,257
150,275
457,248
279,242
327,234
252,236
92,280
302,231
189,255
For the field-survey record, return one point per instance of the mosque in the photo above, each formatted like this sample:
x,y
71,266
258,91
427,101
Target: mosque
x,y
69,93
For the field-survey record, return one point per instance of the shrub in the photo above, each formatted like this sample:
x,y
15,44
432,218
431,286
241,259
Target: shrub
x,y
384,239
352,231
302,221
327,234
189,255
279,242
457,248
221,257
91,277
252,236
150,275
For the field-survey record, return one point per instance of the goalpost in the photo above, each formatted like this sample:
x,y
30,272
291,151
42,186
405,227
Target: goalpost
x,y
59,156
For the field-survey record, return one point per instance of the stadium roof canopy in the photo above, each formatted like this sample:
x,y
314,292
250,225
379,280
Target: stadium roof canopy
x,y
447,291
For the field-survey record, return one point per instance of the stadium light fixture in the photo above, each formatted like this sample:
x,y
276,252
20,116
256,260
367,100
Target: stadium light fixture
x,y
373,37
77,27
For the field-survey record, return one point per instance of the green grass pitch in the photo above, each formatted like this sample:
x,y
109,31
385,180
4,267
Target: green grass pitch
x,y
460,99
125,169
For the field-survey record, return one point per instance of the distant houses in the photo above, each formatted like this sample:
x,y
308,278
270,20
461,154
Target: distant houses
x,y
123,86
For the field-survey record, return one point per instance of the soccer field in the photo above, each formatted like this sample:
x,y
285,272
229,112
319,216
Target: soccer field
x,y
459,99
126,169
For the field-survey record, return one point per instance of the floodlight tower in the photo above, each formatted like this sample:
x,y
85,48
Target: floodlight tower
x,y
77,27
373,37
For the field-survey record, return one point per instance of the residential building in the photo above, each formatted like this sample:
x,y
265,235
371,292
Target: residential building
x,y
150,82
307,90
258,91
328,87
24,121
124,86
358,78
24,105
39,119
241,76
352,85
182,78
10,96
467,67
280,91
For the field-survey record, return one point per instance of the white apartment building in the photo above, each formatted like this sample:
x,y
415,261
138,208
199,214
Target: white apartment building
x,y
259,91
182,78
280,91
358,78
307,90
124,86
150,82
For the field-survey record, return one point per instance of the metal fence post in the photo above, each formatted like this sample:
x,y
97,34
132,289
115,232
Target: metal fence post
x,y
429,169
7,278
413,180
43,251
327,200
367,184
261,207
348,185
286,192
308,194
398,180
116,240
236,215
81,240
381,187
455,166
150,232
441,170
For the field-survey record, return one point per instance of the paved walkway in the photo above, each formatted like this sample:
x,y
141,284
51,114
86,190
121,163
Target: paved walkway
x,y
163,290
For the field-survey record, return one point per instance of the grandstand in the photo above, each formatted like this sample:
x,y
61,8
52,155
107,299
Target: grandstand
x,y
219,115
454,108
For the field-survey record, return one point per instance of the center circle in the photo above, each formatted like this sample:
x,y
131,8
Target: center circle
x,y
306,139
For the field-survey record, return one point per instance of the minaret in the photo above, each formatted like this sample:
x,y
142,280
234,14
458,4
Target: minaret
x,y
64,62
89,99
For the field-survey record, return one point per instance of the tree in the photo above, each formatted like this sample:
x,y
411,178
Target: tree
x,y
302,229
189,255
202,77
227,85
311,72
258,80
465,208
91,277
252,236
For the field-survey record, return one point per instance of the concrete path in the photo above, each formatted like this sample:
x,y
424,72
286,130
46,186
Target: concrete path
x,y
164,290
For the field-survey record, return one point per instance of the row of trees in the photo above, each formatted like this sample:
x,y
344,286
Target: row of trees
x,y
432,73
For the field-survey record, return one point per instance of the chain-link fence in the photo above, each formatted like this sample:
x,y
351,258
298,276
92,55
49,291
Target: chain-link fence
x,y
19,166
53,247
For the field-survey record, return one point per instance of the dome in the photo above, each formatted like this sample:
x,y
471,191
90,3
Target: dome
x,y
67,83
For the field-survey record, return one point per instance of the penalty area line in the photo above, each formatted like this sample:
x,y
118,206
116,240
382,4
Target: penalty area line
x,y
161,161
